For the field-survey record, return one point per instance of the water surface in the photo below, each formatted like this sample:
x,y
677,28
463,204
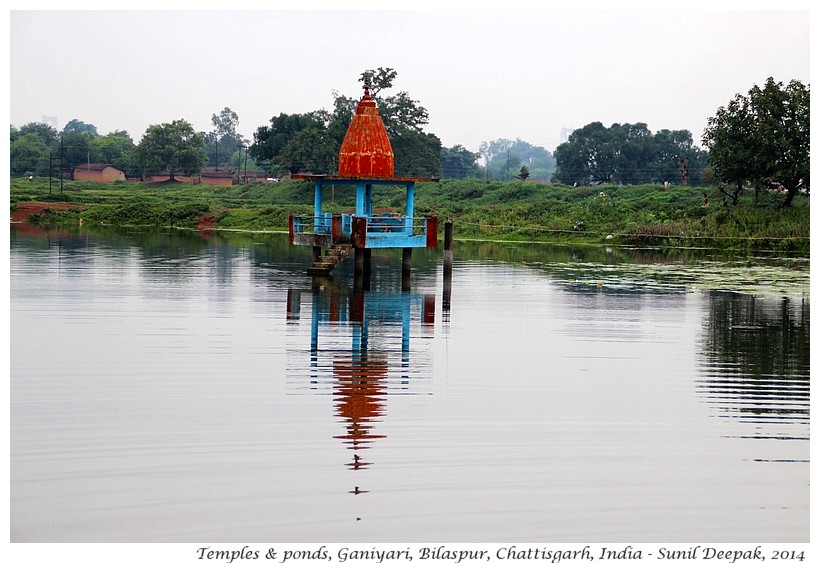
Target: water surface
x,y
169,387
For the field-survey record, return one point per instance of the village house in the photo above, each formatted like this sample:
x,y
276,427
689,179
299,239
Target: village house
x,y
98,173
217,177
224,177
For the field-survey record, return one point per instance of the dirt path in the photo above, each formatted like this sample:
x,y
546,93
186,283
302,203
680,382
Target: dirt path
x,y
21,214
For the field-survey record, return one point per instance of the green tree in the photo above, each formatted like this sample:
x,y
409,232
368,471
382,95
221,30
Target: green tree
x,y
271,143
77,126
415,152
173,147
503,157
311,141
583,158
670,148
76,149
223,141
524,173
625,153
46,132
458,162
26,154
117,149
309,150
763,138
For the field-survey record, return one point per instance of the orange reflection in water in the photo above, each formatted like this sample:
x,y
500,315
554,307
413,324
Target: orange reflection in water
x,y
361,377
360,393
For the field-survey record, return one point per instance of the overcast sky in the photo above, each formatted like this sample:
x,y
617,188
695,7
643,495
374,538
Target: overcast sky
x,y
482,75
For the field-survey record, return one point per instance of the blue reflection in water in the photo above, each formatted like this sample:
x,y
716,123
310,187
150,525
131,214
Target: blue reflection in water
x,y
378,326
169,388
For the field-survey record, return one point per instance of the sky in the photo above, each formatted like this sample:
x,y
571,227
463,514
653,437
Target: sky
x,y
481,74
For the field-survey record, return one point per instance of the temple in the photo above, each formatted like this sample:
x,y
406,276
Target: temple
x,y
365,160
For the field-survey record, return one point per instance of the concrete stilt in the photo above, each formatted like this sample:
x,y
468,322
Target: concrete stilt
x,y
358,269
448,270
406,265
366,270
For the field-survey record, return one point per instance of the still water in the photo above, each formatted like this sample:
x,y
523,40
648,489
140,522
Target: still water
x,y
170,387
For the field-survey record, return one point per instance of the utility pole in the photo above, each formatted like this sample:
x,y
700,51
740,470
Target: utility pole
x,y
507,167
62,155
246,162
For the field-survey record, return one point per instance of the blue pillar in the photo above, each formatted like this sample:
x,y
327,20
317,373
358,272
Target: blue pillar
x,y
314,330
368,200
317,204
405,331
410,207
360,195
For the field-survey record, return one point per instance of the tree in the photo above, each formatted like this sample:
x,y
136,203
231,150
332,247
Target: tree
x,y
671,147
524,173
308,150
26,154
503,156
458,162
583,159
117,149
174,147
763,138
77,126
626,153
415,152
46,132
271,143
311,141
223,141
225,123
76,148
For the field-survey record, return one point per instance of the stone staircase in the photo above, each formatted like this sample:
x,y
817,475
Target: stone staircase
x,y
332,257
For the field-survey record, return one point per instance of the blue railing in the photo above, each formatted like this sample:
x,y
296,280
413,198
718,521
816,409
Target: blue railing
x,y
385,230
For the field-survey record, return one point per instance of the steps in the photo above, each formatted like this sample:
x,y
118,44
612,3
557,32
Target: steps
x,y
333,257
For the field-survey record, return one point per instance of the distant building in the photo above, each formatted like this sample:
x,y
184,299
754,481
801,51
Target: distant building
x,y
208,176
217,177
98,173
251,176
165,176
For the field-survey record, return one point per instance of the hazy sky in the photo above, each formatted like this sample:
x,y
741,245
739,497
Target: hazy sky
x,y
482,75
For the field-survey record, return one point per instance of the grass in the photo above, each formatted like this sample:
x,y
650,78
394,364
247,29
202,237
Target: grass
x,y
643,215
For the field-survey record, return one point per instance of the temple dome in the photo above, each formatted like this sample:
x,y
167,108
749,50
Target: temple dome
x,y
366,150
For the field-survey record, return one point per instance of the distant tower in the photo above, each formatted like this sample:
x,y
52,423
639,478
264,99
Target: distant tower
x,y
565,133
51,121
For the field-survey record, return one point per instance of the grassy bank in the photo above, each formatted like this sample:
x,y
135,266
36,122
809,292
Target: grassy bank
x,y
630,215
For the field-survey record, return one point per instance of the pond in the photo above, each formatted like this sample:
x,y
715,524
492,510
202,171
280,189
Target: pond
x,y
168,386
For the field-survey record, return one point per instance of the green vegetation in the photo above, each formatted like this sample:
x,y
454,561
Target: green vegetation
x,y
633,187
762,140
628,154
631,215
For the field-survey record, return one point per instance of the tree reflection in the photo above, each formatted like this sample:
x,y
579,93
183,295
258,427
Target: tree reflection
x,y
755,363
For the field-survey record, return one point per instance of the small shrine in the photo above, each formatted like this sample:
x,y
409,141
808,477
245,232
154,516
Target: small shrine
x,y
365,160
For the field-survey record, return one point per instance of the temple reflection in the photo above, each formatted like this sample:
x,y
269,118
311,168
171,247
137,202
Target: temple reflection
x,y
362,341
